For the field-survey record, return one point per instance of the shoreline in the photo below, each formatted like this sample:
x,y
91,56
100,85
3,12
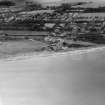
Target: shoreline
x,y
29,55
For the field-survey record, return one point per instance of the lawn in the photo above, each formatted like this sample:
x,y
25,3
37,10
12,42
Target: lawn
x,y
11,48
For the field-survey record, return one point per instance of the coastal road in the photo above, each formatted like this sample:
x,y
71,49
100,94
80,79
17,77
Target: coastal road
x,y
60,79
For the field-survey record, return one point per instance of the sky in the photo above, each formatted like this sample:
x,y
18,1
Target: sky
x,y
54,1
66,0
50,0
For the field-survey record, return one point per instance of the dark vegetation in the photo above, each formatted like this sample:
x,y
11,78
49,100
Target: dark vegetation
x,y
7,3
93,10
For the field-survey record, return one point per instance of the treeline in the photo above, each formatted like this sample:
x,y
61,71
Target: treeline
x,y
81,9
92,10
23,25
70,8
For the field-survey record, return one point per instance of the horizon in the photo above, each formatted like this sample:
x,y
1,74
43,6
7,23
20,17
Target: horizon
x,y
54,2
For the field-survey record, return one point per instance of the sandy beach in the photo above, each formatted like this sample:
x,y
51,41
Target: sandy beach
x,y
68,78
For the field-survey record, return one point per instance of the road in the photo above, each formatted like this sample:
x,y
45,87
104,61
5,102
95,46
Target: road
x,y
60,79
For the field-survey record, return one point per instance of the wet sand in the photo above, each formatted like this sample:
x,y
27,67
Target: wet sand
x,y
71,78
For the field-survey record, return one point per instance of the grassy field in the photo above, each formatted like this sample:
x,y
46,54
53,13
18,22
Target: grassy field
x,y
22,47
92,14
12,48
23,32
